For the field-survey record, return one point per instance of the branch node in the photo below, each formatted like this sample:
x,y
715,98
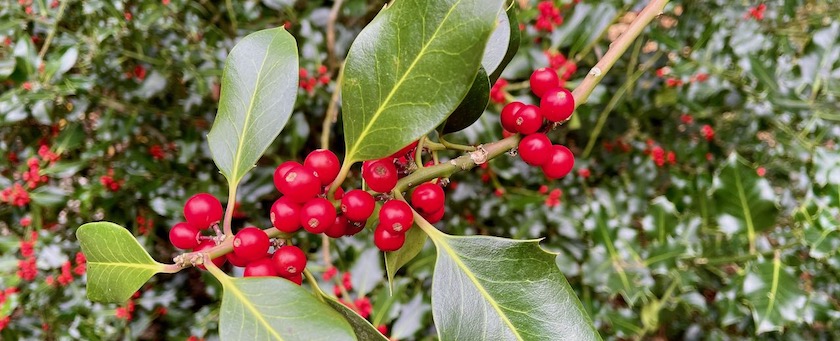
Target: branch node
x,y
596,71
479,156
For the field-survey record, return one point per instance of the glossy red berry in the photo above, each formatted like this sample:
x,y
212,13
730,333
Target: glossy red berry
x,y
427,198
285,215
218,261
542,80
289,260
235,260
317,215
357,205
354,227
380,175
395,216
338,228
402,152
184,236
560,162
508,115
434,216
296,279
300,184
557,104
387,241
528,119
202,210
251,244
281,170
262,267
324,163
535,149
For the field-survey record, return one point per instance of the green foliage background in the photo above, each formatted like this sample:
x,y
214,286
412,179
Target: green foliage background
x,y
735,240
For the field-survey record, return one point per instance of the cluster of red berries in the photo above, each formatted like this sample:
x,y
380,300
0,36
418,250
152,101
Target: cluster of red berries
x,y
308,83
556,105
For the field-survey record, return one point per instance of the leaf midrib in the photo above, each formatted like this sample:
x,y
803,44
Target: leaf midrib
x,y
774,286
228,285
351,154
248,113
742,196
153,267
454,256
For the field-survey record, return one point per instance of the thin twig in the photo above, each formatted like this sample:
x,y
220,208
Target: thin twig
x,y
332,60
51,35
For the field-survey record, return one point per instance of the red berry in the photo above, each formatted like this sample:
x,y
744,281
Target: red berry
x,y
317,215
289,260
557,105
218,261
296,279
338,228
260,268
534,149
380,175
324,163
508,115
339,193
300,184
434,216
285,215
236,260
560,162
357,205
427,198
387,241
202,210
184,236
281,170
542,80
528,119
251,244
395,216
402,152
354,227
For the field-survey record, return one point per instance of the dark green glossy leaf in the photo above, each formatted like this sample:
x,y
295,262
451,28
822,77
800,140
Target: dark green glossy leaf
x,y
259,85
744,201
415,238
363,329
661,219
409,69
774,296
472,107
502,289
116,264
272,308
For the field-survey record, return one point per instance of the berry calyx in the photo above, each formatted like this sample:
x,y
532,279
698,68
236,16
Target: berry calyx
x,y
535,149
508,115
300,184
357,205
557,104
338,228
542,80
387,241
184,236
560,162
528,119
262,267
202,210
317,215
250,244
218,261
395,216
427,198
380,175
324,163
281,170
285,215
289,261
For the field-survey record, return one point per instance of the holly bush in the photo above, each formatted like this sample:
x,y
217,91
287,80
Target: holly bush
x,y
703,201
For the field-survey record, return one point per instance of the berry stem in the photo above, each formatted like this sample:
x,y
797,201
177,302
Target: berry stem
x,y
231,204
339,179
418,153
312,282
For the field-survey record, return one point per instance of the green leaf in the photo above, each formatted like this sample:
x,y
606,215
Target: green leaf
x,y
744,201
822,233
409,69
259,86
503,289
472,107
363,329
116,263
503,43
272,308
774,296
661,219
415,238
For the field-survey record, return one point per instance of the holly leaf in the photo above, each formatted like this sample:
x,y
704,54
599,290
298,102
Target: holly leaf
x,y
472,107
506,289
272,308
259,87
661,219
117,266
409,69
744,201
363,329
774,296
503,44
415,238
